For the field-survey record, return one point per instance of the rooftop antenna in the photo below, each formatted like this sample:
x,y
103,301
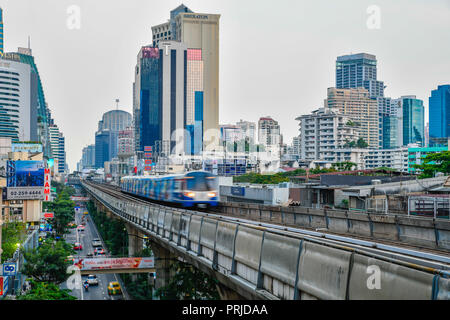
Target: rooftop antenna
x,y
117,104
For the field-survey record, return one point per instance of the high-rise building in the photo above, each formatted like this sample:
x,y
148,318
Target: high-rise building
x,y
197,31
410,115
37,99
18,118
106,138
357,104
269,132
359,70
88,157
57,146
323,131
439,116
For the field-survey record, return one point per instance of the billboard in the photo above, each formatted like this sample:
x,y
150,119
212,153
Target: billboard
x,y
26,147
25,180
114,263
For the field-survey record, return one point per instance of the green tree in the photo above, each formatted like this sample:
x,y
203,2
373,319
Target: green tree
x,y
46,291
434,162
48,263
189,283
63,209
13,233
361,143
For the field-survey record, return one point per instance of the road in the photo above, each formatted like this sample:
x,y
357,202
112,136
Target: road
x,y
99,292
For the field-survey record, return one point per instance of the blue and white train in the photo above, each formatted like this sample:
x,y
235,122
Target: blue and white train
x,y
197,188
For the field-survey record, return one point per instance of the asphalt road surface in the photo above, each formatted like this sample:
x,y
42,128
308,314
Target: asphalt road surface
x,y
100,291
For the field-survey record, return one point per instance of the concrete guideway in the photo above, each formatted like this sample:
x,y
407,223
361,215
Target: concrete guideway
x,y
265,263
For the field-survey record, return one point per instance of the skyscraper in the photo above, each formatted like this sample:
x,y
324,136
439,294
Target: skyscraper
x,y
57,146
360,71
411,125
106,138
439,116
18,118
197,31
38,103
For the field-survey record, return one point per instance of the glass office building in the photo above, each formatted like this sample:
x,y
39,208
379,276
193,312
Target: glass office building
x,y
148,97
390,132
439,116
413,121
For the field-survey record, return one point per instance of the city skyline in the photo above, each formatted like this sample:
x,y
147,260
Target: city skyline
x,y
294,78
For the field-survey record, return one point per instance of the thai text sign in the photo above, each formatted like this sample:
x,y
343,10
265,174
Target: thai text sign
x,y
114,263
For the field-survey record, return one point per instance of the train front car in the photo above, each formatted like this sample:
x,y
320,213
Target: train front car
x,y
198,188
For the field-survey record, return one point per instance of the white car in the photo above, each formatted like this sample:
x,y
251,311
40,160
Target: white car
x,y
92,280
96,243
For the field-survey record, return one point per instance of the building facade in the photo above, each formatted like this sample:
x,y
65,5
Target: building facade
x,y
18,118
439,116
88,157
323,131
248,130
411,125
357,104
106,138
197,31
269,132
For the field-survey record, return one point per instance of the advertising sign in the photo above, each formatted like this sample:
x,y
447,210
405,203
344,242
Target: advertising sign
x,y
238,191
3,286
26,147
25,180
114,263
9,269
47,185
148,149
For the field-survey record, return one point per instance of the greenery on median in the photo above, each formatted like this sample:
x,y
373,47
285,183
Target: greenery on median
x,y
13,233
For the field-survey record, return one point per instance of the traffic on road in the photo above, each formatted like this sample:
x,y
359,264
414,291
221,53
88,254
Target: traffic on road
x,y
88,243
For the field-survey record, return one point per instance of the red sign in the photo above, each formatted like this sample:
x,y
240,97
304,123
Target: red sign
x,y
148,168
148,149
148,155
47,184
148,161
49,215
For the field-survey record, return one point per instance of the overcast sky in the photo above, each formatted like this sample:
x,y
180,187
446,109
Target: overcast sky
x,y
277,58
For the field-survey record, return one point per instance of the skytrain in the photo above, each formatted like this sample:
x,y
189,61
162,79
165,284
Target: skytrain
x,y
197,188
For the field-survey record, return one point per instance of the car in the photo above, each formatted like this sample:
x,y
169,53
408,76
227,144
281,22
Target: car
x,y
92,280
85,212
96,242
77,246
71,259
80,228
114,288
99,251
90,255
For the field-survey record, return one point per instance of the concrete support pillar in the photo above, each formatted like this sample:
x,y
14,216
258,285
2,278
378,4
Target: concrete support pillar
x,y
135,242
163,262
227,293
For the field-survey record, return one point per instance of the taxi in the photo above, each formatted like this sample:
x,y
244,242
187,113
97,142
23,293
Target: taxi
x,y
114,288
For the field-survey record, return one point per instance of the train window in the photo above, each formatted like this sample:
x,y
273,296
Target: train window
x,y
198,181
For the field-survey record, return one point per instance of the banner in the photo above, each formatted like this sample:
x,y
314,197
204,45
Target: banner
x,y
73,198
114,263
47,185
26,147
